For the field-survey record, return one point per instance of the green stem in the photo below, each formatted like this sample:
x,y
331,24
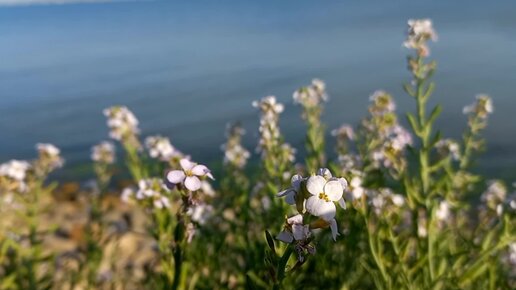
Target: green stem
x,y
281,267
374,253
178,267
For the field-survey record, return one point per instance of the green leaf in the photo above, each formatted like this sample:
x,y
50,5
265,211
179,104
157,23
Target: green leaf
x,y
413,123
270,241
408,89
435,113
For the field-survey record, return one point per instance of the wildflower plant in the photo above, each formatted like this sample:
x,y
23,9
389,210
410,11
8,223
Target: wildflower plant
x,y
399,207
311,99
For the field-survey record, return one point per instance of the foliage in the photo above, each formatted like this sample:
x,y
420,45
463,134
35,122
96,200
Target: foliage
x,y
408,219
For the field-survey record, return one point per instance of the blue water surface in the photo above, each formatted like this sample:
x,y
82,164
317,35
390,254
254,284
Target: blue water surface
x,y
187,68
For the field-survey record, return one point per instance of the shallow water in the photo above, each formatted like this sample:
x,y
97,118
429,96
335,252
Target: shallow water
x,y
187,70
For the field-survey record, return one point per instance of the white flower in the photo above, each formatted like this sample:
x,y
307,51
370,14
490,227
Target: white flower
x,y
207,189
324,194
269,104
50,155
269,129
495,195
448,147
236,155
14,169
291,192
294,230
344,131
399,137
127,194
355,186
152,189
443,211
103,152
397,199
160,148
200,213
48,149
189,175
121,121
419,32
382,102
482,107
312,95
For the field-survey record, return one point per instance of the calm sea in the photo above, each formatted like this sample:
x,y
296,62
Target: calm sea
x,y
188,69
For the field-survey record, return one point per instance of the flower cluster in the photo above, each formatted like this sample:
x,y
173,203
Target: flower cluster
x,y
104,152
14,169
317,196
49,158
383,119
345,131
385,201
395,141
13,174
200,212
189,175
122,123
482,108
355,190
159,147
494,197
311,96
276,155
234,153
420,31
51,154
349,163
448,147
381,103
388,138
151,192
344,134
269,130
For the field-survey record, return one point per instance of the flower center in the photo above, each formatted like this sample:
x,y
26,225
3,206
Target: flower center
x,y
323,196
188,173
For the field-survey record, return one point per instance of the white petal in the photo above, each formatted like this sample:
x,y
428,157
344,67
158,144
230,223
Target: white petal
x,y
290,195
320,208
285,237
333,189
176,176
356,181
165,201
315,184
334,229
158,204
296,181
297,219
186,164
192,183
300,232
358,192
284,192
291,198
200,170
342,203
324,172
343,182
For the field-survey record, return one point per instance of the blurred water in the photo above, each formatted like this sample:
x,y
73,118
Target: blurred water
x,y
188,69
